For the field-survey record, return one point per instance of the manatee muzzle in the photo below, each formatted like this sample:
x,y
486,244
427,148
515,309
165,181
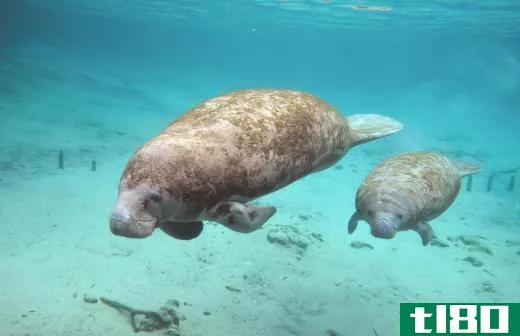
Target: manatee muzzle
x,y
123,223
383,228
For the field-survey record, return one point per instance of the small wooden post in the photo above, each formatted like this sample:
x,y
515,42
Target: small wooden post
x,y
490,182
512,182
61,160
469,186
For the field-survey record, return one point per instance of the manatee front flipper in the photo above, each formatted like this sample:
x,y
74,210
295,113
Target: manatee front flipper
x,y
240,217
368,127
182,230
353,222
425,231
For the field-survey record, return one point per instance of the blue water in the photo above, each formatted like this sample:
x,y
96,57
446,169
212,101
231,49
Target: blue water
x,y
98,79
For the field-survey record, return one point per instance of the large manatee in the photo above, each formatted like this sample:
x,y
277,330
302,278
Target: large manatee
x,y
229,150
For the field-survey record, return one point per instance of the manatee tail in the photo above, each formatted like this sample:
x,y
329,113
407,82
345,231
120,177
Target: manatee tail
x,y
466,169
368,127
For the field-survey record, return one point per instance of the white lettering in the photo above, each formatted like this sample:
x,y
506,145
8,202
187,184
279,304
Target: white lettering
x,y
470,318
503,320
440,316
419,315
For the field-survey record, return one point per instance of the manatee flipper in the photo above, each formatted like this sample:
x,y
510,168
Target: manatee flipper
x,y
353,222
182,230
466,169
368,127
240,217
425,231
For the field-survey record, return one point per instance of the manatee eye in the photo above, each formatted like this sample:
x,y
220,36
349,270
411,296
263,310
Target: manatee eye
x,y
370,213
399,216
155,198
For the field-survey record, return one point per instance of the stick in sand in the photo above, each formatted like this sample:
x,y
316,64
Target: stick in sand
x,y
490,182
60,160
512,182
134,312
469,186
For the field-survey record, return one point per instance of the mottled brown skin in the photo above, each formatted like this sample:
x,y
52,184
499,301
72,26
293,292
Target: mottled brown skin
x,y
406,191
229,150
225,148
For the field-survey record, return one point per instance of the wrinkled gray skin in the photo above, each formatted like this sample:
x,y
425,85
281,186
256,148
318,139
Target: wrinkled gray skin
x,y
140,210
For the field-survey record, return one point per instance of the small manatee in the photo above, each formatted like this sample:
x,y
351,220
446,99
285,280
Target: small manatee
x,y
407,191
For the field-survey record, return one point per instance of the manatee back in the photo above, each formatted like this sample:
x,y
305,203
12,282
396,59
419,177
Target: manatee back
x,y
244,144
266,119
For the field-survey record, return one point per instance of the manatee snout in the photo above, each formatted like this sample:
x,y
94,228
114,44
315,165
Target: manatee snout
x,y
383,227
135,214
123,223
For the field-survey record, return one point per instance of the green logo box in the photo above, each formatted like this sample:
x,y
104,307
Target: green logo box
x,y
458,319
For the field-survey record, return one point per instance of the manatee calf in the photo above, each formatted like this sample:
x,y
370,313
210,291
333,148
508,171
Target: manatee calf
x,y
208,164
406,191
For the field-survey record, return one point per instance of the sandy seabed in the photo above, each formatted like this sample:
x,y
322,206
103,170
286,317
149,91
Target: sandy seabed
x,y
313,279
